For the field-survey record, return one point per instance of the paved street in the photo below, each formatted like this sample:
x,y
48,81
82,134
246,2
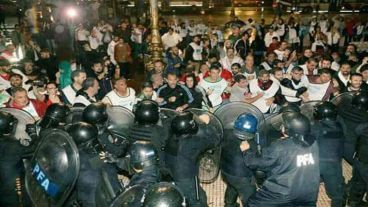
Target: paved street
x,y
215,191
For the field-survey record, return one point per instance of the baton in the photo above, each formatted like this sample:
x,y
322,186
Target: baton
x,y
18,187
197,187
259,148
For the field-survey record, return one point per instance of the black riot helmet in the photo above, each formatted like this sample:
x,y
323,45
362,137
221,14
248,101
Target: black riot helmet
x,y
290,107
8,123
142,154
297,126
360,101
83,133
325,111
146,112
55,114
164,194
95,113
184,123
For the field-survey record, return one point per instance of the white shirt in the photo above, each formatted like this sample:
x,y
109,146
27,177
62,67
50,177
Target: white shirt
x,y
113,98
94,42
268,38
217,89
305,70
197,53
32,110
4,84
317,43
83,100
280,29
279,53
111,51
82,35
333,39
69,93
270,92
170,40
227,63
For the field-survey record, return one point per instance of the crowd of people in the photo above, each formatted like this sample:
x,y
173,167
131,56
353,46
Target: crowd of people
x,y
266,64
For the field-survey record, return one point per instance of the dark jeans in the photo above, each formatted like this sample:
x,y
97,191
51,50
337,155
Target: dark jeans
x,y
331,173
188,187
241,187
359,183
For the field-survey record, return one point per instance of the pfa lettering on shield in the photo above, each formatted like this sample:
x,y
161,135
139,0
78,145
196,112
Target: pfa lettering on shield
x,y
304,160
50,188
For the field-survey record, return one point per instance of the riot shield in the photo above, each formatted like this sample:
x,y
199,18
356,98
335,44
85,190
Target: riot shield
x,y
105,192
308,108
23,118
132,197
119,121
209,162
75,115
53,170
165,115
228,113
272,127
343,100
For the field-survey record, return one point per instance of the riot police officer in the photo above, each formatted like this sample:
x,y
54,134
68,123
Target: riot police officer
x,y
91,167
147,115
192,136
238,177
359,181
330,137
353,114
11,167
96,114
141,162
55,116
291,164
164,194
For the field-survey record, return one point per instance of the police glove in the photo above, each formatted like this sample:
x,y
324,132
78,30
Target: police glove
x,y
300,91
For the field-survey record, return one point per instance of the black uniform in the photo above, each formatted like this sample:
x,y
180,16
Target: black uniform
x,y
182,155
155,134
180,92
91,168
112,144
359,181
330,138
11,169
238,177
147,177
293,174
352,118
